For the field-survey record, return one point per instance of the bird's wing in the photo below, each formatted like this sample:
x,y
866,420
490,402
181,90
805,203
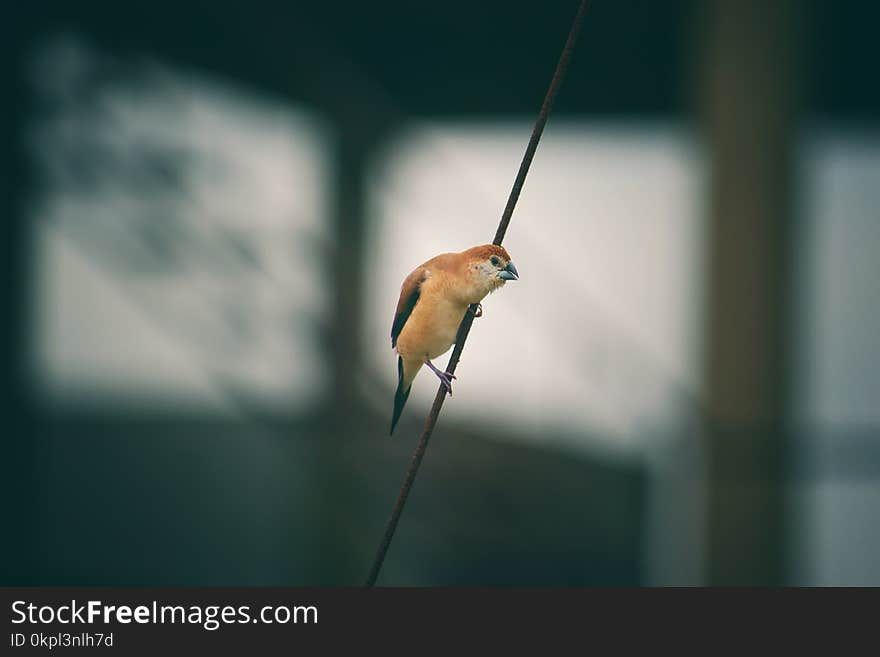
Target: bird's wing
x,y
409,297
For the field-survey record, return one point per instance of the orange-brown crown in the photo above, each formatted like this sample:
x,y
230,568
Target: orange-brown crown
x,y
486,251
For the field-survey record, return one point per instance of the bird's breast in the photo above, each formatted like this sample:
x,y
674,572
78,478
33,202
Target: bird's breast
x,y
431,329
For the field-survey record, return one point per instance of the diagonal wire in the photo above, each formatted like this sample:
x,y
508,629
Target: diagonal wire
x,y
468,320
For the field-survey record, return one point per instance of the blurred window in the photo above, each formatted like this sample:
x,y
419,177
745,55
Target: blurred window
x,y
836,413
600,336
179,232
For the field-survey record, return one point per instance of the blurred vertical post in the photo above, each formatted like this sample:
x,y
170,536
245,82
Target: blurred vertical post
x,y
360,127
347,266
748,101
21,496
358,134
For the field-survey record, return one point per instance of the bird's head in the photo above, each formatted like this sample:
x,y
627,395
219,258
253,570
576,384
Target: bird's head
x,y
489,267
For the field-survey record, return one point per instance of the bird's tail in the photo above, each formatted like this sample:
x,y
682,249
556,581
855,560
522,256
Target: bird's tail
x,y
401,395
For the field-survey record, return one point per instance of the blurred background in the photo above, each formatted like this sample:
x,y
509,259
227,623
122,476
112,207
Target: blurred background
x,y
210,209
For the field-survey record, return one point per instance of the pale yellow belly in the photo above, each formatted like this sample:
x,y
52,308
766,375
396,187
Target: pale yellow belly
x,y
430,330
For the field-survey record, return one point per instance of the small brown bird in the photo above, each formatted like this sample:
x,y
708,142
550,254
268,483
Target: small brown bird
x,y
433,301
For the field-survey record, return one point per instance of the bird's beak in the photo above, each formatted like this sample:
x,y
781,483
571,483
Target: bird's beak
x,y
509,273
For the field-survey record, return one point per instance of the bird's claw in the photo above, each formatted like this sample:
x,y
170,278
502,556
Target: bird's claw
x,y
479,311
446,381
445,377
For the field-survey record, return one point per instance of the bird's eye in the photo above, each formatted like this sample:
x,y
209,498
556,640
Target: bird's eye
x,y
494,260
